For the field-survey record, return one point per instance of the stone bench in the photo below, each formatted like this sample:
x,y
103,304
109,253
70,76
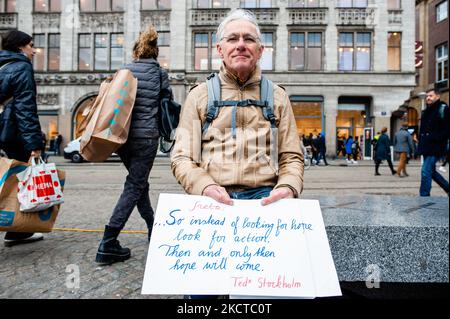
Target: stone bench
x,y
400,239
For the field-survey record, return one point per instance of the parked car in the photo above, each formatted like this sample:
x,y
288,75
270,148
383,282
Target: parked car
x,y
72,152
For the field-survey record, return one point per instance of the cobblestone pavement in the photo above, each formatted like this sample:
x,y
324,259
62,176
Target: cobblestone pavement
x,y
46,269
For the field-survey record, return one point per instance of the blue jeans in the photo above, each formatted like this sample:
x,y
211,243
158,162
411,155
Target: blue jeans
x,y
429,173
254,193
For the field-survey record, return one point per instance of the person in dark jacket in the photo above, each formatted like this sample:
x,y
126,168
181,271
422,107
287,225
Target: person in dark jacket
x,y
383,152
322,147
17,86
433,138
403,145
139,152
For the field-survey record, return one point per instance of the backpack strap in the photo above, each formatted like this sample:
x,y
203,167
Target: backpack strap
x,y
214,102
213,84
268,100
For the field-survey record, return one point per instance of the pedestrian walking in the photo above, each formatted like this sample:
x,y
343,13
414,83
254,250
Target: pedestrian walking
x,y
403,145
433,139
58,142
383,152
349,145
321,144
18,94
139,152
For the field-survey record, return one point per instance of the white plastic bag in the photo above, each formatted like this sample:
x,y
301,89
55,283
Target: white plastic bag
x,y
39,187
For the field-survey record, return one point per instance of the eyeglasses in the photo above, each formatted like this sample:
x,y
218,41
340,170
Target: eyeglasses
x,y
234,38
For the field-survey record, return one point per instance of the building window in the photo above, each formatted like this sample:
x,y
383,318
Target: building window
x,y
442,11
84,52
207,4
8,6
355,55
155,4
442,63
306,51
394,50
101,5
164,49
267,58
206,56
53,52
304,4
256,3
116,41
107,53
47,5
47,55
352,3
394,4
39,57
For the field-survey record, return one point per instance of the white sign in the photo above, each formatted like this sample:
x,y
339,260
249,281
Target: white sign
x,y
201,247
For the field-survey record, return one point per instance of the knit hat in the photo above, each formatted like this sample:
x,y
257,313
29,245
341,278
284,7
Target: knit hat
x,y
15,39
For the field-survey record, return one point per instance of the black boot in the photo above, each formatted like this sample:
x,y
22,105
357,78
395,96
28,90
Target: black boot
x,y
110,250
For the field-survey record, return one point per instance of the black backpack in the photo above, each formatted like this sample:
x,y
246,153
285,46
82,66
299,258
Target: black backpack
x,y
169,117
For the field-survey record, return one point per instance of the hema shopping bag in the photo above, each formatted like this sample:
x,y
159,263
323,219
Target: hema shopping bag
x,y
108,126
11,218
39,187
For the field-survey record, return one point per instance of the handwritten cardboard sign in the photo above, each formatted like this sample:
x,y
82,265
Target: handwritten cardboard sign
x,y
201,247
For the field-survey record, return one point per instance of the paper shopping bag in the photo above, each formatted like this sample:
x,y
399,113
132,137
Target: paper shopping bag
x,y
11,218
108,126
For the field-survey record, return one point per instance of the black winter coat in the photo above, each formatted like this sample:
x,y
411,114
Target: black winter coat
x,y
151,80
17,81
434,131
383,148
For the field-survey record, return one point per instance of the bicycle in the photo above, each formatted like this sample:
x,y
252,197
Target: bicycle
x,y
307,158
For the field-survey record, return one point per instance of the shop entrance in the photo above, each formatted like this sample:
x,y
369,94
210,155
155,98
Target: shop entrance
x,y
351,120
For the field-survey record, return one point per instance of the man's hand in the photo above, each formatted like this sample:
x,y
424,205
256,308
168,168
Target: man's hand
x,y
36,153
218,193
277,194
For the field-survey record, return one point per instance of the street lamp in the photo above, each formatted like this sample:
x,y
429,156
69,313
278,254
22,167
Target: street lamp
x,y
422,96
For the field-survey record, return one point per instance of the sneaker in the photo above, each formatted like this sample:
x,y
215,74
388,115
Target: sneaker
x,y
354,162
31,239
442,169
349,162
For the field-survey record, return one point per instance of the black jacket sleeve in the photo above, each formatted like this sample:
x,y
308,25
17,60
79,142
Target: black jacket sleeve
x,y
25,107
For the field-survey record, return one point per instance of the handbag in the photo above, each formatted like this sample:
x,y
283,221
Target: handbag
x,y
169,117
39,187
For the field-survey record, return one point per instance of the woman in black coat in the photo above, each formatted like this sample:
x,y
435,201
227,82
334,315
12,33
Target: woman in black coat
x,y
18,93
383,152
139,152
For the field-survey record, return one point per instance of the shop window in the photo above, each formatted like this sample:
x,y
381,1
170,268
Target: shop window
x,y
308,114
